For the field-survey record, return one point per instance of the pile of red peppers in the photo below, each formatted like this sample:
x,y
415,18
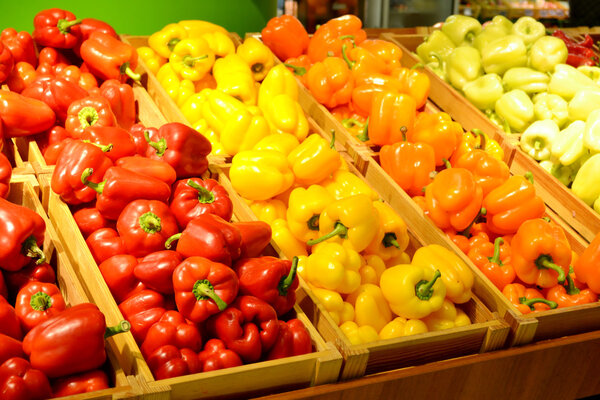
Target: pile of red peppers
x,y
580,52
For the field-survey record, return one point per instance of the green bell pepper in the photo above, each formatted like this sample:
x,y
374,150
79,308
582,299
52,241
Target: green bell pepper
x,y
591,135
586,184
551,106
437,43
484,91
583,103
546,53
461,29
526,79
502,54
438,66
488,35
591,72
537,139
567,80
568,146
516,108
528,29
463,66
500,21
564,174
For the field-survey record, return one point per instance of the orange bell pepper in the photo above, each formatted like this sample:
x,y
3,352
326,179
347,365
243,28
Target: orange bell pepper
x,y
365,87
587,266
415,83
285,36
328,39
541,253
570,295
352,121
330,81
489,172
439,131
494,261
527,299
388,52
299,66
392,118
469,140
362,61
409,164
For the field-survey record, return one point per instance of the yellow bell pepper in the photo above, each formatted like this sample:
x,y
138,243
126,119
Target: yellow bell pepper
x,y
334,267
352,221
403,258
412,290
285,115
359,334
340,310
192,58
371,269
234,77
283,238
314,160
197,28
258,57
344,184
212,136
242,131
456,275
282,142
491,146
218,108
279,80
260,174
392,235
192,106
269,210
304,209
370,307
164,41
151,58
399,327
220,43
177,89
446,317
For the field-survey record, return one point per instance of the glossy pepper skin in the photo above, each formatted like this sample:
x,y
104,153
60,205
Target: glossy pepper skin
x,y
143,309
10,322
155,270
203,288
22,75
193,197
258,56
58,93
387,52
173,329
527,299
24,116
85,382
109,58
256,236
314,159
249,327
70,342
122,101
494,260
439,131
120,141
37,302
216,355
285,36
20,45
10,347
6,62
88,111
270,279
31,273
5,175
234,77
117,272
330,82
541,253
333,267
18,380
149,167
293,340
56,28
23,232
586,266
168,362
260,174
570,295
329,38
192,58
489,172
105,243
409,164
391,119
392,237
370,307
304,209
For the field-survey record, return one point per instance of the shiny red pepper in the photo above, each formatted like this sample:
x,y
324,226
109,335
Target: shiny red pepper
x,y
156,270
57,93
105,243
89,220
293,340
20,45
10,347
137,133
146,166
31,273
122,101
52,142
22,75
3,288
142,310
9,322
217,356
24,116
173,329
5,175
256,236
49,57
86,112
56,28
85,382
169,362
74,74
19,381
109,58
37,302
193,197
117,272
6,62
90,25
122,144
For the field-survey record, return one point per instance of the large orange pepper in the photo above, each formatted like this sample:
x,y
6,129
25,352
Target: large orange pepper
x,y
526,299
587,266
328,39
388,52
330,81
570,295
299,66
392,118
489,171
439,131
415,82
541,253
362,61
365,87
285,36
453,199
409,164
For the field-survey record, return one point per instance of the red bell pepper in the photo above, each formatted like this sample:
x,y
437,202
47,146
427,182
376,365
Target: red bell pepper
x,y
57,93
9,322
249,327
20,45
31,273
122,101
105,243
70,342
22,75
169,362
3,288
138,135
5,175
24,116
141,301
122,186
56,28
217,356
85,382
256,236
183,147
50,57
19,381
6,62
74,74
193,197
203,288
293,340
10,347
156,270
145,226
109,58
117,272
285,36
89,111
23,232
173,329
90,25
121,141
37,302
209,236
146,166
142,321
89,220
75,157
270,279
52,142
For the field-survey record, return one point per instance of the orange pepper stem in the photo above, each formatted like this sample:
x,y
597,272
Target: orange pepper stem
x,y
390,239
98,187
447,164
529,176
482,141
122,327
545,262
171,240
345,56
339,229
205,196
351,37
496,257
364,135
286,281
40,301
332,142
467,231
172,43
300,71
424,289
570,286
30,249
530,302
313,223
204,290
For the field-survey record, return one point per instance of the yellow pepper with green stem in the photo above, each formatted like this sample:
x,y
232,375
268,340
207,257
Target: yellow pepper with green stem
x,y
392,236
258,56
192,58
304,209
314,160
178,89
164,41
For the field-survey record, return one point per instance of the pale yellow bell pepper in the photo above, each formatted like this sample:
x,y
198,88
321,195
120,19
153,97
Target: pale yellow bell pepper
x,y
447,317
370,307
359,334
399,327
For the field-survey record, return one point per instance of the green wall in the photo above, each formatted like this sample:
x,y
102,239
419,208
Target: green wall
x,y
143,17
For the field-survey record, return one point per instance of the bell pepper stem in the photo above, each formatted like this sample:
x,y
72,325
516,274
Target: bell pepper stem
x,y
64,25
364,135
172,239
530,302
424,289
104,148
447,164
390,239
88,116
300,71
286,281
30,249
545,262
570,286
417,66
98,187
205,196
482,140
204,290
150,222
350,123
126,69
332,142
189,61
40,301
172,43
313,222
529,176
495,259
351,37
339,229
467,231
160,146
345,56
122,327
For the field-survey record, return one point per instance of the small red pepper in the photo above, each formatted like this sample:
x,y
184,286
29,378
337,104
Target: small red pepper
x,y
37,302
89,220
169,362
173,329
85,382
270,279
117,272
22,75
256,236
31,273
19,381
20,45
142,309
9,321
49,56
494,261
293,340
137,133
6,62
108,57
24,116
56,28
142,321
88,111
90,25
569,295
122,144
146,166
122,101
74,74
193,197
10,347
52,142
70,342
203,288
156,270
105,243
217,356
57,93
5,175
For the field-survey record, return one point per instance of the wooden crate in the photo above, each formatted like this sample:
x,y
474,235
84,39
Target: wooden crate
x,y
319,367
20,166
24,190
